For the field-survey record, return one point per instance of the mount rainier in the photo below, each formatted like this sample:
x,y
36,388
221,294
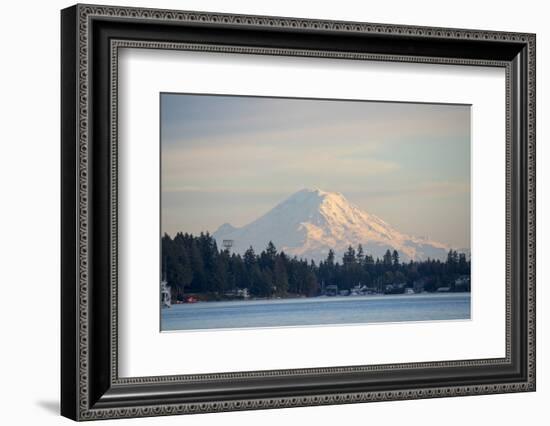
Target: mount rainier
x,y
311,222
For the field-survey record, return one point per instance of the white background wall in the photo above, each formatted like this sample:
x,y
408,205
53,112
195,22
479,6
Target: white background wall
x,y
29,213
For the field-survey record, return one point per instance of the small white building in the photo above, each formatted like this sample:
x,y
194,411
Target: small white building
x,y
239,292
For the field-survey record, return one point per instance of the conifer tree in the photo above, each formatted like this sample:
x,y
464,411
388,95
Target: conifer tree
x,y
280,277
387,258
360,254
349,256
395,258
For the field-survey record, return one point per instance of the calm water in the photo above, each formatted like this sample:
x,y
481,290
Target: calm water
x,y
316,311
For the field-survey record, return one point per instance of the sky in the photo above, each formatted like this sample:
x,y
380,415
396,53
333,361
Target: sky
x,y
233,158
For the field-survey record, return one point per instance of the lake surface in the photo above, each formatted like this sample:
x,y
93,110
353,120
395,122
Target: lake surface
x,y
316,311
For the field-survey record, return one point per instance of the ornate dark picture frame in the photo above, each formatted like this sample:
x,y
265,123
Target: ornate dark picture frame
x,y
91,37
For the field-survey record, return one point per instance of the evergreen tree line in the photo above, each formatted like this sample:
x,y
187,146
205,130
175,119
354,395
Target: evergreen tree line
x,y
195,265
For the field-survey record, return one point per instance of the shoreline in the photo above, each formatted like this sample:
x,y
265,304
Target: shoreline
x,y
324,297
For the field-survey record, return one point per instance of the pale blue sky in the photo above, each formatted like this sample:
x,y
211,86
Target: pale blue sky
x,y
231,159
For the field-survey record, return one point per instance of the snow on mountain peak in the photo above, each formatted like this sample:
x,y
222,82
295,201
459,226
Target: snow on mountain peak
x,y
311,222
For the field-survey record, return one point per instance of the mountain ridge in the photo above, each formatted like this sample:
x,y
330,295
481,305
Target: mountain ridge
x,y
310,222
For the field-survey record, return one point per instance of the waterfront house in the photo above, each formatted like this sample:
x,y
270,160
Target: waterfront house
x,y
398,288
331,290
462,283
238,293
418,285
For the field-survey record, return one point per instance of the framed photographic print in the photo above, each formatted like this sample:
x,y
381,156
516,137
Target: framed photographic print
x,y
263,212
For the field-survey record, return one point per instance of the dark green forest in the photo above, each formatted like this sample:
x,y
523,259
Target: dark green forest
x,y
195,265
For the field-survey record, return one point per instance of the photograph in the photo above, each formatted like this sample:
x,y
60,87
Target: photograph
x,y
268,209
279,212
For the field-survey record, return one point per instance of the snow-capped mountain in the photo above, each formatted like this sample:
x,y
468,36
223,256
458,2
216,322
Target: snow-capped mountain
x,y
310,222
